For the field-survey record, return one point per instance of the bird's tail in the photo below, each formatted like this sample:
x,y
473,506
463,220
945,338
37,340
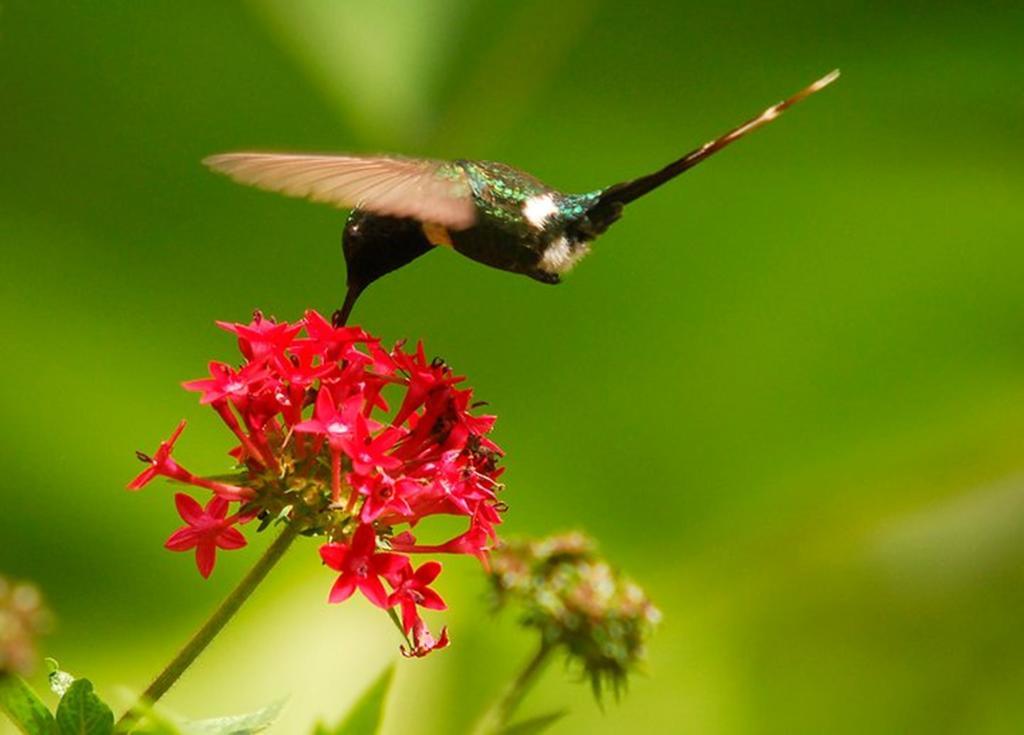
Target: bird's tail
x,y
613,198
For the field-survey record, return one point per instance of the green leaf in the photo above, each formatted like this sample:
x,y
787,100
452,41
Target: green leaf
x,y
156,722
365,716
236,724
81,712
534,725
23,706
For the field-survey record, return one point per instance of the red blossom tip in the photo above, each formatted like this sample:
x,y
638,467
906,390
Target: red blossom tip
x,y
161,463
424,643
206,529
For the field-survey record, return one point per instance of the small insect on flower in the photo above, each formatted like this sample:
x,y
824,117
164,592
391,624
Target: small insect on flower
x,y
320,448
487,211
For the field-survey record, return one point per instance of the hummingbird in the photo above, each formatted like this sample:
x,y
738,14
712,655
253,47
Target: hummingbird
x,y
487,211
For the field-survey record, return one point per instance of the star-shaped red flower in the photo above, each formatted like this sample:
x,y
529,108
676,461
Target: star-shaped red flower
x,y
206,530
161,464
413,590
227,383
361,567
261,338
336,423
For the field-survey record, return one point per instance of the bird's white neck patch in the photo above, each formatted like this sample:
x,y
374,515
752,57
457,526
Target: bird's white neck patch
x,y
539,209
561,256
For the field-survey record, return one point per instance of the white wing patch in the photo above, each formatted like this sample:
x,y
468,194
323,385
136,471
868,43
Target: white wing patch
x,y
561,256
539,209
430,191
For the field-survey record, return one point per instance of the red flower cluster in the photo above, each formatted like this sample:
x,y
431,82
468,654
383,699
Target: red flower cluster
x,y
320,448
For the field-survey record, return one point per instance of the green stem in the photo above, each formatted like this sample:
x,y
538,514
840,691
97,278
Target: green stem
x,y
498,715
202,638
398,624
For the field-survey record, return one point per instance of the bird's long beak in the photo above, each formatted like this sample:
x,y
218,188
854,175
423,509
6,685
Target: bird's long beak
x,y
621,194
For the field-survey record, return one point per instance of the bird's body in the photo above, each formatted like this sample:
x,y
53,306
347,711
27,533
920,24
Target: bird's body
x,y
490,212
523,225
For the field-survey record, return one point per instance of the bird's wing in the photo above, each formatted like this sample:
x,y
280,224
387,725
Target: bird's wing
x,y
430,191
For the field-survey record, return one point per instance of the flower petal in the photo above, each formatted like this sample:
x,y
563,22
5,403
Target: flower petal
x,y
334,555
217,507
325,410
177,432
389,565
364,540
182,540
206,557
342,589
428,572
312,426
409,615
374,591
231,538
372,508
431,600
143,478
189,510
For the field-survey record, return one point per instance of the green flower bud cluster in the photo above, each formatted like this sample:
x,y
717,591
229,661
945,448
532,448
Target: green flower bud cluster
x,y
575,599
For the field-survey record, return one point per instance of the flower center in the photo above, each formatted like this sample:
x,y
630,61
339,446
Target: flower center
x,y
234,386
336,427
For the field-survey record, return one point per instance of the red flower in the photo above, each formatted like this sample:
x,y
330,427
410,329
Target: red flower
x,y
207,530
361,567
161,464
331,341
301,371
476,541
226,383
322,449
423,642
336,424
369,452
412,590
261,338
424,378
383,495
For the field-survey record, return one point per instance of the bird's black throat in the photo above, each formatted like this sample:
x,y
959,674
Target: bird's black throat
x,y
374,245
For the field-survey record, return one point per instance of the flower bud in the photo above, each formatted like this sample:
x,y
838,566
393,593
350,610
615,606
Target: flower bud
x,y
22,618
576,600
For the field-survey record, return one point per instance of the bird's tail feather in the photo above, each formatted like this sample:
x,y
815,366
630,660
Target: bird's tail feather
x,y
615,197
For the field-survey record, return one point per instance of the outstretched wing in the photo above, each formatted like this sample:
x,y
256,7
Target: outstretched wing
x,y
430,191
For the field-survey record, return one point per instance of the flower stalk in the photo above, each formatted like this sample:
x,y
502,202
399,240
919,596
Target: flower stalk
x,y
499,715
213,625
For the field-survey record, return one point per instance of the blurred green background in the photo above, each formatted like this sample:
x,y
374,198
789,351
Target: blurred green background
x,y
786,393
